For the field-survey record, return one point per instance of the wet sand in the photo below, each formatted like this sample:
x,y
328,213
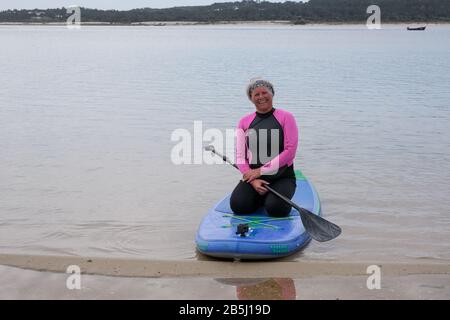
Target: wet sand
x,y
194,268
103,278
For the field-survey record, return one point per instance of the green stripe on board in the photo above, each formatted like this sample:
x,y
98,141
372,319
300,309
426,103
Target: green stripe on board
x,y
256,221
252,221
299,175
251,225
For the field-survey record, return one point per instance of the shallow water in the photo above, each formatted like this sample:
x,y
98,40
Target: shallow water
x,y
86,118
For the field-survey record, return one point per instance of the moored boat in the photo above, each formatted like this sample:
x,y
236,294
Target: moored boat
x,y
416,28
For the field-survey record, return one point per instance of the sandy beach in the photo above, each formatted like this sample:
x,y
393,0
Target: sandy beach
x,y
224,269
44,277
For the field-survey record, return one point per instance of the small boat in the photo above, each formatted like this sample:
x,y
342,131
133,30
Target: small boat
x,y
416,29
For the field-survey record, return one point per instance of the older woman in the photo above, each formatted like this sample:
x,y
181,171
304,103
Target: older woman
x,y
265,151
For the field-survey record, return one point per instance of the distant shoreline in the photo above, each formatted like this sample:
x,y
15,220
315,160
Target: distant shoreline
x,y
200,23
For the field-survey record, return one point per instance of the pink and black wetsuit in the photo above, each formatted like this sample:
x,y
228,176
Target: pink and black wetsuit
x,y
267,141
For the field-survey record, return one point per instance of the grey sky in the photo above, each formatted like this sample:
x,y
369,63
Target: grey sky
x,y
104,4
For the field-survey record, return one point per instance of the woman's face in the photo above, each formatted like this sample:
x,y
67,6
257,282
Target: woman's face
x,y
262,99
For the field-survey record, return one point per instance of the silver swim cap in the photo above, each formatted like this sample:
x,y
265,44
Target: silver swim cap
x,y
256,83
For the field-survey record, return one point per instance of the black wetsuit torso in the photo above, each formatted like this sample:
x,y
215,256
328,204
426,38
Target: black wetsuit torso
x,y
259,141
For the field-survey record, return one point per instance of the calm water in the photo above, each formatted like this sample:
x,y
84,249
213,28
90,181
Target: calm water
x,y
86,118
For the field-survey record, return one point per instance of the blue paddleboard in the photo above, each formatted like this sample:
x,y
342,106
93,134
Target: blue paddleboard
x,y
221,233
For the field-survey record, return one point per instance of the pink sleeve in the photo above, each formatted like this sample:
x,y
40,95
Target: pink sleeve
x,y
241,143
290,132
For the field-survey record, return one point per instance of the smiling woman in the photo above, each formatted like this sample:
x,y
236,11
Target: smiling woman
x,y
265,129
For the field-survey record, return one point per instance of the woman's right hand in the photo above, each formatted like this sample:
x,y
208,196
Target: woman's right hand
x,y
258,185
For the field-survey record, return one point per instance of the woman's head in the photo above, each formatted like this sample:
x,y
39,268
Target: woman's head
x,y
261,93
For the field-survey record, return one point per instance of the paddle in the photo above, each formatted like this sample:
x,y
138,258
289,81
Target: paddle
x,y
319,228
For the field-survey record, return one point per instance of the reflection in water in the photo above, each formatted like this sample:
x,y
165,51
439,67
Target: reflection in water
x,y
263,289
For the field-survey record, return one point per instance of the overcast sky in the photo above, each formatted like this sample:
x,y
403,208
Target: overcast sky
x,y
104,4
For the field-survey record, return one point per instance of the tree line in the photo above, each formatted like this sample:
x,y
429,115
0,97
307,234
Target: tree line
x,y
314,11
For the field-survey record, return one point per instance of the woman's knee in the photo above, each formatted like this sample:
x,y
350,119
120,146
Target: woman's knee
x,y
242,202
241,205
277,208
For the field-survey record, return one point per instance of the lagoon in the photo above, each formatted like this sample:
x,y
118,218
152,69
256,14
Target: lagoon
x,y
86,118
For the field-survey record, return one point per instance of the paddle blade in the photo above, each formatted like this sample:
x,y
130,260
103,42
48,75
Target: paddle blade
x,y
320,229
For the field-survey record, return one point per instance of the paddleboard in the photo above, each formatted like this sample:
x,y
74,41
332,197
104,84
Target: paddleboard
x,y
223,234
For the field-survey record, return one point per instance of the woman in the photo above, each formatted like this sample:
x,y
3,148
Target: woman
x,y
266,145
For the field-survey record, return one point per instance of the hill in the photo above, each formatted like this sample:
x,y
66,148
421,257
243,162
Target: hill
x,y
314,11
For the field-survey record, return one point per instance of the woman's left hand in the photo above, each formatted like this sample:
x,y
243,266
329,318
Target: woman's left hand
x,y
252,175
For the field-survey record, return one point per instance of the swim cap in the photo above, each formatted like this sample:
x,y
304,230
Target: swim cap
x,y
256,83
